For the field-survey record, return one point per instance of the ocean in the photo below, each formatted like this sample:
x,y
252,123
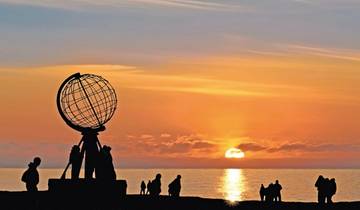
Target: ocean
x,y
230,184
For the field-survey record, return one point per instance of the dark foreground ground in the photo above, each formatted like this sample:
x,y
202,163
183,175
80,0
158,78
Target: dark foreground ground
x,y
48,201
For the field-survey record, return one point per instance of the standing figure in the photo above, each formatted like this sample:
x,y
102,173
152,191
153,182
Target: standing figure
x,y
155,189
31,175
332,190
175,187
321,185
148,187
110,174
142,188
277,191
262,193
91,153
75,160
269,195
105,169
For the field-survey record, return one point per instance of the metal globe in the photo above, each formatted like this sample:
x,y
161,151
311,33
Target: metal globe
x,y
86,101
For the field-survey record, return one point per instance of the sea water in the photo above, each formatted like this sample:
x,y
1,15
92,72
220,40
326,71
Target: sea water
x,y
230,184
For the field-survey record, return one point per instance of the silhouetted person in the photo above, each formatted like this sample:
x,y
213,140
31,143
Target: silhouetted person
x,y
91,156
321,187
262,192
105,168
142,188
175,187
277,191
31,175
331,190
75,160
155,188
270,195
148,187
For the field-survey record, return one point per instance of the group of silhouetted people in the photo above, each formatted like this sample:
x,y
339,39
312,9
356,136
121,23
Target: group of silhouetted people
x,y
326,189
104,169
272,193
153,188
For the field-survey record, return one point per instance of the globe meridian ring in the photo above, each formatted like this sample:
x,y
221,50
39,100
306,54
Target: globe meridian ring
x,y
86,102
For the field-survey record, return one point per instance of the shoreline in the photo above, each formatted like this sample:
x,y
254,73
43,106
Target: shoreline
x,y
46,200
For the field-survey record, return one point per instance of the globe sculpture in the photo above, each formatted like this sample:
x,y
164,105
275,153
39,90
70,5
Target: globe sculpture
x,y
86,102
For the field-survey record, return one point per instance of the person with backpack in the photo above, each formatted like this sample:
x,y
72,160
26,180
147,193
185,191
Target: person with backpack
x,y
175,187
31,175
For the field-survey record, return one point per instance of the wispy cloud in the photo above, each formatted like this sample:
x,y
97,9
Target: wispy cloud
x,y
191,4
342,54
303,147
80,4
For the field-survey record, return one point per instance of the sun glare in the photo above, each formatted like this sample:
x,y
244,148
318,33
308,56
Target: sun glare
x,y
234,153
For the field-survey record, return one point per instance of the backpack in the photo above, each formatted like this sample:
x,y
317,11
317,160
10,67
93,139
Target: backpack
x,y
25,176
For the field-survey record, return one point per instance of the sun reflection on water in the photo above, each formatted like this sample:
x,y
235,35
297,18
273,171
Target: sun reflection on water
x,y
233,185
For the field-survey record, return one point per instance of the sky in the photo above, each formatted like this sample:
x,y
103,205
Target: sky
x,y
277,79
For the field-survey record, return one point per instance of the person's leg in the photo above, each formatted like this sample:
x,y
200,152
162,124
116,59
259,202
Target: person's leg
x,y
329,199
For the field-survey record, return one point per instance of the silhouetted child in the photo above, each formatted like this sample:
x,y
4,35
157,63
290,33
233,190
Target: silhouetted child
x,y
148,187
142,188
262,192
31,175
321,187
75,161
277,191
175,187
155,187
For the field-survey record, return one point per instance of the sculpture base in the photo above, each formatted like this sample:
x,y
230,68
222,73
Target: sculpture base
x,y
93,187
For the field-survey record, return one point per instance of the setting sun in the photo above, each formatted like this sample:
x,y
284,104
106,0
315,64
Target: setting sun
x,y
234,153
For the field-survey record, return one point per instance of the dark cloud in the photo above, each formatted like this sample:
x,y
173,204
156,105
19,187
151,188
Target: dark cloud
x,y
202,145
251,147
254,147
180,144
175,148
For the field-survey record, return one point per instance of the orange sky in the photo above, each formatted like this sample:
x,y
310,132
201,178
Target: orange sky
x,y
279,80
282,110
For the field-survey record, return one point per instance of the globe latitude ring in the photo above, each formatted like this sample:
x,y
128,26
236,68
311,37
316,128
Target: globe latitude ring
x,y
86,102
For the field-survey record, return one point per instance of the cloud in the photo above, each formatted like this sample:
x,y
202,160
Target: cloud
x,y
175,148
81,5
146,136
191,4
289,147
316,148
202,144
184,144
165,135
342,54
253,147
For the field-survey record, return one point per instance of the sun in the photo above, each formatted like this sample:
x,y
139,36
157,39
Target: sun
x,y
234,153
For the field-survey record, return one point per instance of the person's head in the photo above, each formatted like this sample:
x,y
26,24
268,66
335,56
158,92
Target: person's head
x,y
158,176
277,181
106,148
178,177
262,185
76,148
37,161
